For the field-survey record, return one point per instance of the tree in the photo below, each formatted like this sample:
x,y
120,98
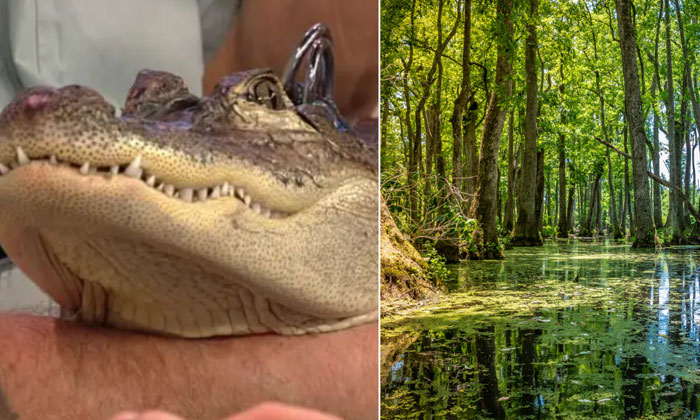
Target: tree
x,y
526,231
645,234
484,205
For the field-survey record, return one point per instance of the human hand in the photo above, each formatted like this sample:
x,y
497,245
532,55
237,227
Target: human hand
x,y
266,411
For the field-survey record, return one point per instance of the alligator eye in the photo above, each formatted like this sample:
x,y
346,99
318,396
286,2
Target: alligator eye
x,y
267,93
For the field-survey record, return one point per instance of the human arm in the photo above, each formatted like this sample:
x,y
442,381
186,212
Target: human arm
x,y
79,372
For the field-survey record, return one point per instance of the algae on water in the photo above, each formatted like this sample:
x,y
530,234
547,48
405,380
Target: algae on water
x,y
567,331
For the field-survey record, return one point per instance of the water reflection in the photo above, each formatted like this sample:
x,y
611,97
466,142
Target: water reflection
x,y
632,353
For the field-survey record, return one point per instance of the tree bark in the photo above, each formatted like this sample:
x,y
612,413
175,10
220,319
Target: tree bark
x,y
526,231
656,84
617,234
539,191
628,194
658,218
512,166
674,211
645,234
461,101
570,207
484,206
563,220
589,224
413,143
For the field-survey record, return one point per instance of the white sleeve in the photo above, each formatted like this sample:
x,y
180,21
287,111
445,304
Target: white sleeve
x,y
101,44
216,17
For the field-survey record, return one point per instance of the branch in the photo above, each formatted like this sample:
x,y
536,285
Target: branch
x,y
620,152
658,179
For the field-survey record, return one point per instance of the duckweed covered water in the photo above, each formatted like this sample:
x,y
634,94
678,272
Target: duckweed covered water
x,y
570,330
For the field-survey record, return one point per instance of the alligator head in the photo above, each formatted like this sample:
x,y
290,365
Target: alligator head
x,y
231,214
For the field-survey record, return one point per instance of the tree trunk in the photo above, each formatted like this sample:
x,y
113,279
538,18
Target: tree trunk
x,y
645,234
437,139
413,143
555,219
384,126
684,140
461,101
656,84
539,191
484,206
547,199
471,160
526,231
512,166
570,207
589,224
404,273
428,173
499,202
658,219
599,208
564,226
674,211
617,234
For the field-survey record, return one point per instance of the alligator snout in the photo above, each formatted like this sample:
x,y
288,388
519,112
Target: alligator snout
x,y
38,98
45,101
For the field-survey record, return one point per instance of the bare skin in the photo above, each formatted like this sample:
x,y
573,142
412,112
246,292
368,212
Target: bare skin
x,y
77,372
265,411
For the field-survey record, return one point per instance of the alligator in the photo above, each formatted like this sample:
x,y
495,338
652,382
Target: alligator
x,y
237,213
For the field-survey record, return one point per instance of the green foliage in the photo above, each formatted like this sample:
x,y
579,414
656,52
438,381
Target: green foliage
x,y
567,30
549,231
437,272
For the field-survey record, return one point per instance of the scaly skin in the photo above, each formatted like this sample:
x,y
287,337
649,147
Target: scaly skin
x,y
226,215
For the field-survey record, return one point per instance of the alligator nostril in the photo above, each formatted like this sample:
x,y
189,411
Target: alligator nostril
x,y
38,100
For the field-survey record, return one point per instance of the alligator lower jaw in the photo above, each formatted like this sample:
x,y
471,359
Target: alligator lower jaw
x,y
178,305
214,239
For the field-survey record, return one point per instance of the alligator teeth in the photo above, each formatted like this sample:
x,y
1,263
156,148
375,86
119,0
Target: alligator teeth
x,y
134,169
186,195
22,158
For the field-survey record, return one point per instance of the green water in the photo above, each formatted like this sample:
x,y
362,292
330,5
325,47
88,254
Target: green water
x,y
570,330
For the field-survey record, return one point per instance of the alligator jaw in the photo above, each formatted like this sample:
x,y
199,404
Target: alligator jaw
x,y
118,252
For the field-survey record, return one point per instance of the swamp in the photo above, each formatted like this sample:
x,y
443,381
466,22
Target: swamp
x,y
570,330
540,195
